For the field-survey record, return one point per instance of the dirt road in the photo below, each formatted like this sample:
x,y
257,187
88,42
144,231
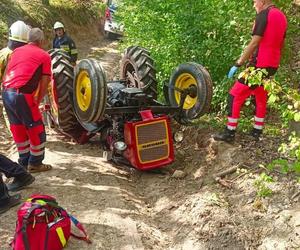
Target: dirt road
x,y
180,207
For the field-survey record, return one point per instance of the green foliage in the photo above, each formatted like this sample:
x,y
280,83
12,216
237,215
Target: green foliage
x,y
212,33
80,11
10,12
208,32
292,148
262,185
284,166
278,96
283,96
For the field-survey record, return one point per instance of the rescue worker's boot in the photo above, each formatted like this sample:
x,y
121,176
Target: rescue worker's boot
x,y
7,201
227,135
256,133
11,201
20,182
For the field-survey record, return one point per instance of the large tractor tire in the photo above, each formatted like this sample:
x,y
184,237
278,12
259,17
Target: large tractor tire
x,y
90,92
60,93
137,67
196,77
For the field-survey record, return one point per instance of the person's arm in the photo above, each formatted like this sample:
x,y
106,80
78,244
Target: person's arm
x,y
257,34
73,51
249,50
45,79
43,88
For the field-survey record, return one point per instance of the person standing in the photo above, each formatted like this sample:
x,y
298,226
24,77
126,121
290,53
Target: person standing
x,y
21,179
263,52
64,42
18,36
25,84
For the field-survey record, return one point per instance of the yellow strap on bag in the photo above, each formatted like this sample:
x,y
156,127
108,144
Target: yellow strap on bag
x,y
61,236
74,51
40,202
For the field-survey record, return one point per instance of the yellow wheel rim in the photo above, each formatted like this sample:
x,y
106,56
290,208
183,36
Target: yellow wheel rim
x,y
184,81
83,90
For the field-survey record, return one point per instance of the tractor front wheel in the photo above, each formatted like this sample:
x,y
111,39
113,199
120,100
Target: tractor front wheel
x,y
195,77
90,91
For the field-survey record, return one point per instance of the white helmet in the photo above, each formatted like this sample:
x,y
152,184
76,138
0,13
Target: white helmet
x,y
58,25
18,31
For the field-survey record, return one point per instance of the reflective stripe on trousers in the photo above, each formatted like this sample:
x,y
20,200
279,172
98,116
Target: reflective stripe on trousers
x,y
237,96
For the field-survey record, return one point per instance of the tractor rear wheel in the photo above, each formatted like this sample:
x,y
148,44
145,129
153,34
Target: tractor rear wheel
x,y
196,77
137,67
90,91
60,92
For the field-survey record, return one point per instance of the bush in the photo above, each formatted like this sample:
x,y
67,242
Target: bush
x,y
208,32
212,33
80,11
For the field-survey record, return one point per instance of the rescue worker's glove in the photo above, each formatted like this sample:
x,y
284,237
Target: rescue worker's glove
x,y
232,71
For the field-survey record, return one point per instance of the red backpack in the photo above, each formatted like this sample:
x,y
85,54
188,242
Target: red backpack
x,y
43,225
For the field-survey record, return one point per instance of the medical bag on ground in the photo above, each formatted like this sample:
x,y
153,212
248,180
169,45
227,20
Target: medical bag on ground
x,y
43,225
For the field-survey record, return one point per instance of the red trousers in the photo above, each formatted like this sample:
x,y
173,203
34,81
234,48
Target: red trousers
x,y
26,126
237,96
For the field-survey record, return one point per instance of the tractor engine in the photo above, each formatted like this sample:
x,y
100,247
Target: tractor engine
x,y
118,95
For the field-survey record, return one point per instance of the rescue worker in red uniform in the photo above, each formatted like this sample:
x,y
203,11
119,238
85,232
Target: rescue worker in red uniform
x,y
263,52
25,84
18,34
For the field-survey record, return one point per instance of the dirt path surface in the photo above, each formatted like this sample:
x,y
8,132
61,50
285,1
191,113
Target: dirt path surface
x,y
183,206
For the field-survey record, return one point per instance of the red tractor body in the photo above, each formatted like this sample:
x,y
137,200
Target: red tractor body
x,y
149,142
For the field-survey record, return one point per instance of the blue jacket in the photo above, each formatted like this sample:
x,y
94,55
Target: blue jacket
x,y
66,44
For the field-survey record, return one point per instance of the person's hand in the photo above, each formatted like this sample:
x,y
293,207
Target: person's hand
x,y
232,71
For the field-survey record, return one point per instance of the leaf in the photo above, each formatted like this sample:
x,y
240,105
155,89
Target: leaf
x,y
272,99
296,167
271,166
297,117
284,169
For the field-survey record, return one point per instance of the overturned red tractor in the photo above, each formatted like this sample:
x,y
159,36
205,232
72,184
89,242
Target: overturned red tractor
x,y
134,126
